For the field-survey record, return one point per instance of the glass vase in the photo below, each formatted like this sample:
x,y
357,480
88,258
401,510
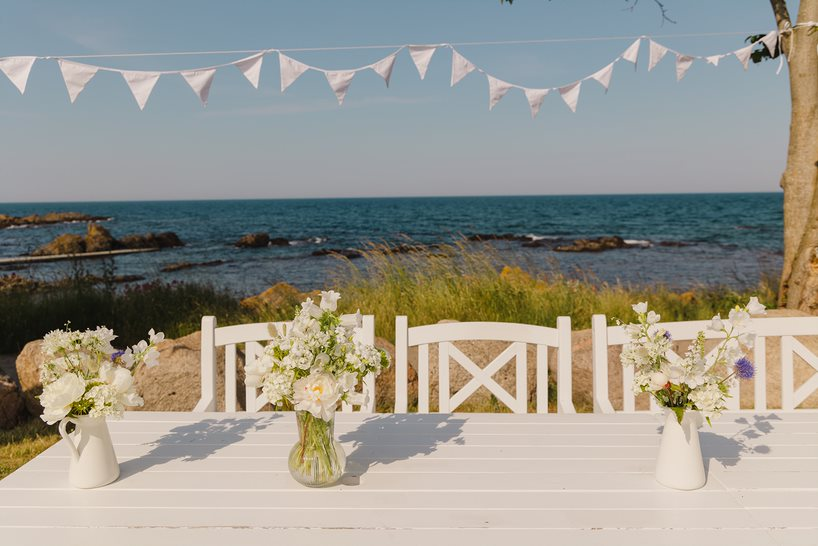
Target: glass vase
x,y
317,459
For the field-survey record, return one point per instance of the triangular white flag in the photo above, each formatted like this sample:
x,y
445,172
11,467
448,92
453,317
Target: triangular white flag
x,y
683,64
421,55
384,67
76,76
714,59
200,81
657,52
461,67
570,94
497,90
632,53
743,55
771,41
141,84
603,76
339,80
535,98
251,68
17,70
290,70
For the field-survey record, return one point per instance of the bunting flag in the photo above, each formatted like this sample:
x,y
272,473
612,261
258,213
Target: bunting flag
x,y
461,67
603,76
535,98
290,70
200,81
17,70
743,55
384,67
250,67
421,56
76,76
570,94
497,90
683,64
141,85
339,81
632,53
657,52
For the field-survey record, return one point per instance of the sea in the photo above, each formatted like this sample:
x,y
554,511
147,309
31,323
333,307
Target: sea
x,y
681,241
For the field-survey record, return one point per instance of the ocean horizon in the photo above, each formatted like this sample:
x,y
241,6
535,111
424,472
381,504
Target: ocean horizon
x,y
673,239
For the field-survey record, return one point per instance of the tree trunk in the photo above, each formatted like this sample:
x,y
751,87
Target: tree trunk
x,y
799,279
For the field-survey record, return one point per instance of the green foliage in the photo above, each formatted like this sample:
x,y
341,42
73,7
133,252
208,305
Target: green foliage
x,y
762,53
23,443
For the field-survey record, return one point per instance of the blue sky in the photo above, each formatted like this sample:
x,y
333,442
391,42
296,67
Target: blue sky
x,y
720,129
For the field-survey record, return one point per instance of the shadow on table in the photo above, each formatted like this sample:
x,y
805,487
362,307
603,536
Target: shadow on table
x,y
729,449
385,439
195,441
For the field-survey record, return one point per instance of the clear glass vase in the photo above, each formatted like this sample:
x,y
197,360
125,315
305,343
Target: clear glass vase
x,y
317,459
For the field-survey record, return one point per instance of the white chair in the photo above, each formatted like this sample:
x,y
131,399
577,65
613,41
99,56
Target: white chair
x,y
605,336
252,336
519,335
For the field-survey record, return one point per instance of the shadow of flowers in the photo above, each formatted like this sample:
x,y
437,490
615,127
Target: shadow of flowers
x,y
195,441
729,449
385,439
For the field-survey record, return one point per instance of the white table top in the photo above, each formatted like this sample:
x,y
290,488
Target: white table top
x,y
221,478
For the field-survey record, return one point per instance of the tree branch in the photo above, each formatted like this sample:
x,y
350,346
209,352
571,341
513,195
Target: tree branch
x,y
782,15
660,4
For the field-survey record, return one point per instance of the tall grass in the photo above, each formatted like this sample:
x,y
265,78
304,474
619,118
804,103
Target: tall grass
x,y
466,282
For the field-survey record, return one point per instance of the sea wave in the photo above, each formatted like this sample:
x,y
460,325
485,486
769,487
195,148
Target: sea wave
x,y
535,237
309,241
638,242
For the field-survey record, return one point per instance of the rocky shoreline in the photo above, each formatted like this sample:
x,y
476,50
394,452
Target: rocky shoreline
x,y
99,239
7,221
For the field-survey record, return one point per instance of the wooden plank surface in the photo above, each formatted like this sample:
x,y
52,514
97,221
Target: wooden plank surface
x,y
221,478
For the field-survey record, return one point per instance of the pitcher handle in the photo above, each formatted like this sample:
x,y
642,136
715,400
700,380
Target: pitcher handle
x,y
67,437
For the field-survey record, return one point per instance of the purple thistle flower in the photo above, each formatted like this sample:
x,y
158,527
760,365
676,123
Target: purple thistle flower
x,y
744,368
116,355
668,336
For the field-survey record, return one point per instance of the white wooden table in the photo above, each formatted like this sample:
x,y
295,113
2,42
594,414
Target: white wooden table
x,y
426,479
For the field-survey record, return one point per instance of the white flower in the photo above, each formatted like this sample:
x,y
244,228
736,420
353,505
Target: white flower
x,y
658,380
652,317
278,386
708,398
739,318
329,300
716,324
347,381
151,357
318,393
58,397
311,309
640,308
354,321
321,360
674,373
156,337
748,339
754,307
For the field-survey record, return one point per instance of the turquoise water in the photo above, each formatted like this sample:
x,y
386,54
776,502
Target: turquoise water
x,y
729,238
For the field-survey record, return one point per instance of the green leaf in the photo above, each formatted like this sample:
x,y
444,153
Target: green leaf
x,y
680,413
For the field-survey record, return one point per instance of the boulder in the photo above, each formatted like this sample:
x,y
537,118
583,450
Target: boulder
x,y
279,296
98,239
12,408
594,245
48,218
166,239
279,241
28,374
349,253
67,243
253,240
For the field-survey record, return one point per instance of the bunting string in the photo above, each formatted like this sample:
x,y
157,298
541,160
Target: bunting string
x,y
76,75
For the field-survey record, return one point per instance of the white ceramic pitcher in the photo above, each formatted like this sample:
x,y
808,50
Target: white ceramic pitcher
x,y
680,465
93,461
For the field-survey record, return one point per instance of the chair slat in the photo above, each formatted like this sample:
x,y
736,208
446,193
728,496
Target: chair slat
x,y
230,377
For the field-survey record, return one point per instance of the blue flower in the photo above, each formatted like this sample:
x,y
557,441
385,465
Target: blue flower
x,y
116,355
744,368
668,336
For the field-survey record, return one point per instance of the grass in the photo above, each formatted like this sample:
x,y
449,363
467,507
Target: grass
x,y
24,442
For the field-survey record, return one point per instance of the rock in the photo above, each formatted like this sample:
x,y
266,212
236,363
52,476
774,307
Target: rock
x,y
497,237
187,265
12,407
674,243
49,218
349,253
67,243
253,240
166,239
175,384
16,283
28,374
279,241
98,239
594,245
279,296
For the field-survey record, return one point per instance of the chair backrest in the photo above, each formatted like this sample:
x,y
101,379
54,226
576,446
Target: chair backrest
x,y
252,337
519,335
786,328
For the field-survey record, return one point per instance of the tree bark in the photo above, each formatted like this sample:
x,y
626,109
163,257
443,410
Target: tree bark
x,y
799,278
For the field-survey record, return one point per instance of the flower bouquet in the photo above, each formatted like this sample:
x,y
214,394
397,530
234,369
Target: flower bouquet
x,y
311,367
689,387
85,379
